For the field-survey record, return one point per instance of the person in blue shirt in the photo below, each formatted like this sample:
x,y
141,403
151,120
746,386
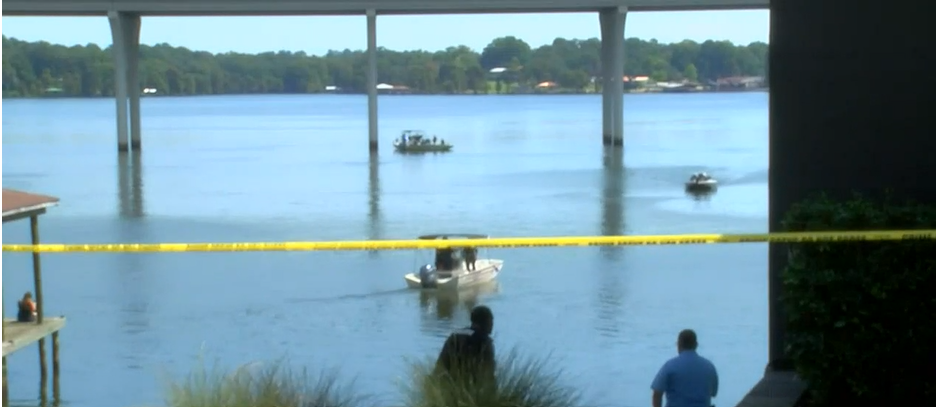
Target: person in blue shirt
x,y
687,380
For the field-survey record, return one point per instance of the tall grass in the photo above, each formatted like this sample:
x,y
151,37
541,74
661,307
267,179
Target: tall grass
x,y
520,382
257,385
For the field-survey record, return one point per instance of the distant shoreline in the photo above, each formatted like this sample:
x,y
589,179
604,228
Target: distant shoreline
x,y
558,93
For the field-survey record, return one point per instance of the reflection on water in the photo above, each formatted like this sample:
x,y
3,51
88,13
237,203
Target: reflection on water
x,y
610,302
612,196
701,196
439,308
373,201
131,295
130,186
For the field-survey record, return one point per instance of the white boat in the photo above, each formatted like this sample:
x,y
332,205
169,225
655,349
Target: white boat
x,y
449,271
701,182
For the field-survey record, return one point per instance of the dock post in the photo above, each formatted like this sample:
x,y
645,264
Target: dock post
x,y
125,30
372,80
56,396
43,391
37,280
6,390
612,68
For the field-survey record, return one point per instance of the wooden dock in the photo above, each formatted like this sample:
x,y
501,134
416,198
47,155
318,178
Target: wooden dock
x,y
18,335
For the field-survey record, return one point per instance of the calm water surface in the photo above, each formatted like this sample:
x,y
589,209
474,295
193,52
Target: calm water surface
x,y
296,168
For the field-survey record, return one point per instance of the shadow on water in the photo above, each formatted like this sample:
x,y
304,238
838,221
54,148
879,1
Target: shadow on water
x,y
439,308
130,186
373,201
610,291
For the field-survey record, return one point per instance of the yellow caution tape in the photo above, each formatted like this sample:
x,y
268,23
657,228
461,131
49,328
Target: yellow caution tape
x,y
509,242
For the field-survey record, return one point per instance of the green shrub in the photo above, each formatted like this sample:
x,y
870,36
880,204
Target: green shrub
x,y
521,382
860,314
255,385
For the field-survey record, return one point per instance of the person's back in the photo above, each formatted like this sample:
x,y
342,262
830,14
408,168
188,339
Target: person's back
x,y
687,380
468,354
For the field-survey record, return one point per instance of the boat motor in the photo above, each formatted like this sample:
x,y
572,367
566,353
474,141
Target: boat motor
x,y
428,277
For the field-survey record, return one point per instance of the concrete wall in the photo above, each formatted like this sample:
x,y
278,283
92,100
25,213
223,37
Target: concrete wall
x,y
852,89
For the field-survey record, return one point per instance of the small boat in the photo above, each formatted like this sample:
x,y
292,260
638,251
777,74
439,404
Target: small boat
x,y
701,182
449,271
416,141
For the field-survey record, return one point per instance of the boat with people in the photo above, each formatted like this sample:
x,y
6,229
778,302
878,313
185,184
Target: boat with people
x,y
416,141
454,267
701,182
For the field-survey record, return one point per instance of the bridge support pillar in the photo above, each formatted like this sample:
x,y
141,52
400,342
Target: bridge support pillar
x,y
612,73
125,29
372,80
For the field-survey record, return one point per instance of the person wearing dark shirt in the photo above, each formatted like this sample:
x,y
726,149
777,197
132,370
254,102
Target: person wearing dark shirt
x,y
443,258
471,256
468,354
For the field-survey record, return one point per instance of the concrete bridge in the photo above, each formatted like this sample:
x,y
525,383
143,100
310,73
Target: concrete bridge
x,y
125,19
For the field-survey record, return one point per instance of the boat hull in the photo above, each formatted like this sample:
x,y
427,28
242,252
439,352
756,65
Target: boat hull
x,y
431,148
486,271
701,186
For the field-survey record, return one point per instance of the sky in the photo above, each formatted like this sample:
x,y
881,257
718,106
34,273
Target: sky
x,y
317,35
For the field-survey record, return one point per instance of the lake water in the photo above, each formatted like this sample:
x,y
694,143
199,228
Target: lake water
x,y
276,168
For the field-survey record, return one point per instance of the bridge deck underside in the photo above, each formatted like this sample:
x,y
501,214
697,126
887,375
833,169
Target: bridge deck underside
x,y
354,7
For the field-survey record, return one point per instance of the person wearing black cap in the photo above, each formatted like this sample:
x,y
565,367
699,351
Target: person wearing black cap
x,y
687,380
468,354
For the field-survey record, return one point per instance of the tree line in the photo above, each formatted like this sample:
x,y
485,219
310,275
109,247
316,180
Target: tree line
x,y
37,68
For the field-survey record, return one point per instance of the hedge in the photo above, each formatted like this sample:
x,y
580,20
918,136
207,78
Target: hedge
x,y
861,325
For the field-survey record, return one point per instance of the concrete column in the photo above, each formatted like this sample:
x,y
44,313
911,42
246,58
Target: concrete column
x,y
617,66
607,101
612,67
372,79
125,30
824,130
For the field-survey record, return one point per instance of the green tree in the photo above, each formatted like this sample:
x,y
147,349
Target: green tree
x,y
29,68
690,73
504,51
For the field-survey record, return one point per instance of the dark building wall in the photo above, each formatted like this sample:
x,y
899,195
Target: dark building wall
x,y
852,86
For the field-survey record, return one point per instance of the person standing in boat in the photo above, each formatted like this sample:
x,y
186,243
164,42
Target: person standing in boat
x,y
444,259
471,256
